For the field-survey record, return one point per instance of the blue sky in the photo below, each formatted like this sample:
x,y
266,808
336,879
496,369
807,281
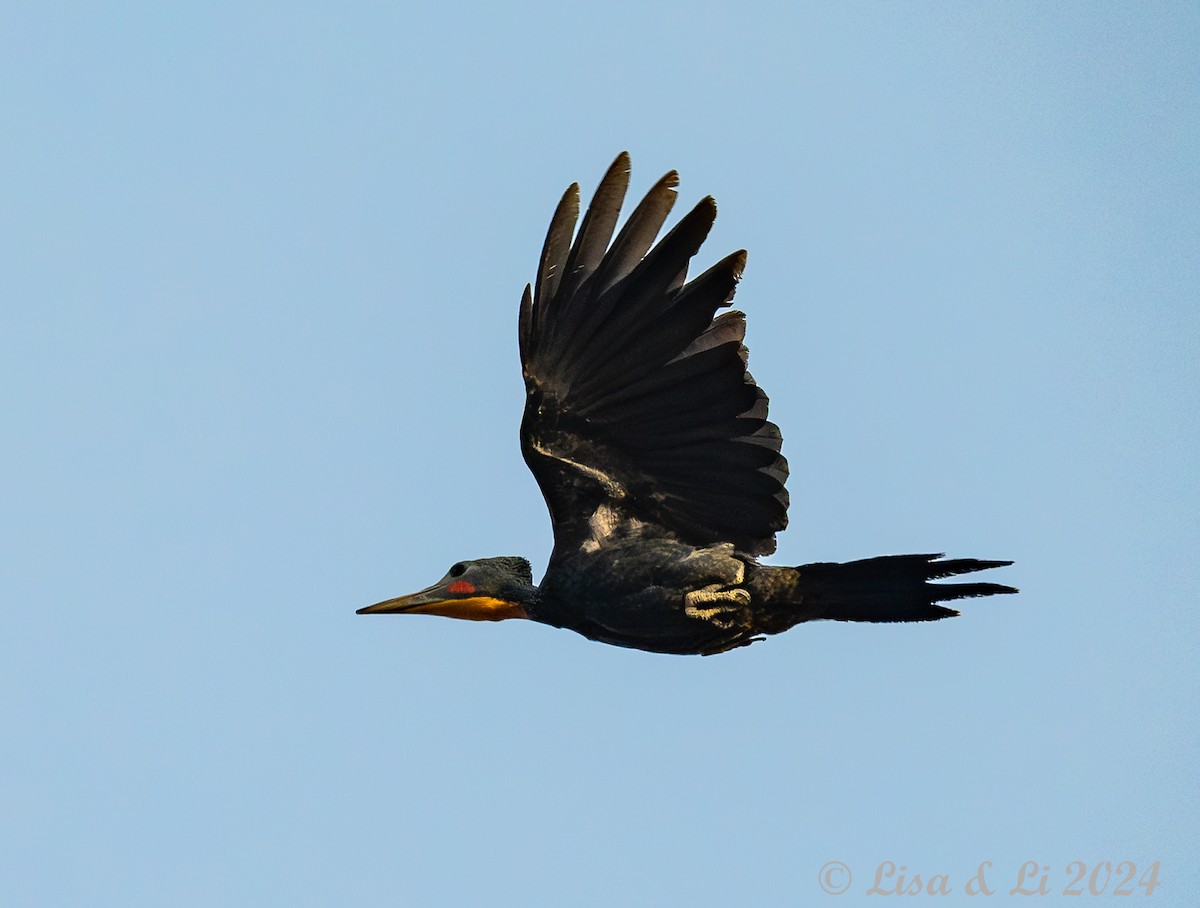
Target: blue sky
x,y
259,274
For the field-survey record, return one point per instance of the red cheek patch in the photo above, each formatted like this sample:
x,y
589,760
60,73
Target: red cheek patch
x,y
461,586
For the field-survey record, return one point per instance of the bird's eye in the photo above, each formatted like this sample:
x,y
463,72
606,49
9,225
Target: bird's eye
x,y
458,570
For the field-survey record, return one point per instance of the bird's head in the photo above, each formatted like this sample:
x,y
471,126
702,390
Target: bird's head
x,y
488,589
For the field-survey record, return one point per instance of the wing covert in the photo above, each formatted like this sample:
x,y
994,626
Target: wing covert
x,y
637,394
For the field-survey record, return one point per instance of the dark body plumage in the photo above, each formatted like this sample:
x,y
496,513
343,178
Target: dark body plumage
x,y
651,444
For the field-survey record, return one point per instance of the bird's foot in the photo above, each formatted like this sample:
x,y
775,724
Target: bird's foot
x,y
721,607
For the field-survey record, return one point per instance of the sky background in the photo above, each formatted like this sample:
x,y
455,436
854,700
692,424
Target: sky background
x,y
259,274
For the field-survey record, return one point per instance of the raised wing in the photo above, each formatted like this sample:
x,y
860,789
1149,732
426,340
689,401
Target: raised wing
x,y
638,403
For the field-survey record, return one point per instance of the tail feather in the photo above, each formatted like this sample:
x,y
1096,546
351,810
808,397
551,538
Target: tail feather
x,y
894,587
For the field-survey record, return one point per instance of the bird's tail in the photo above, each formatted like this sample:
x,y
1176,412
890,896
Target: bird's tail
x,y
892,587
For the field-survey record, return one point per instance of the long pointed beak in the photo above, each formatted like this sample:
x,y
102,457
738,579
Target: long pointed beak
x,y
435,601
430,596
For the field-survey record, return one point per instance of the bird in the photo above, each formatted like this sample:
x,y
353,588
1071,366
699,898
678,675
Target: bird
x,y
651,444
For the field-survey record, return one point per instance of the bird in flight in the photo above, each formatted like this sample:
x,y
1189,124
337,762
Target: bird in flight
x,y
651,444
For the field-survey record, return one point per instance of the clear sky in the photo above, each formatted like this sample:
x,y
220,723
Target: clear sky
x,y
259,275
